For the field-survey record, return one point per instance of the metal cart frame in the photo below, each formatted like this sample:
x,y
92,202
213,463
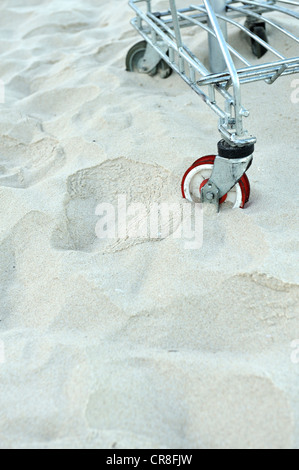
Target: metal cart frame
x,y
162,32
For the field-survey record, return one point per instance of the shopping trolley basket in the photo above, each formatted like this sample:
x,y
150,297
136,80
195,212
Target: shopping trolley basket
x,y
218,178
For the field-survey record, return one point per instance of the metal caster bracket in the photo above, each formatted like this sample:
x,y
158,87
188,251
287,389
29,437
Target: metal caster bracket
x,y
226,174
151,58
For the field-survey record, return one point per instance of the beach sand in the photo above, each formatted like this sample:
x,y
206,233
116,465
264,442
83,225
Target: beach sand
x,y
132,343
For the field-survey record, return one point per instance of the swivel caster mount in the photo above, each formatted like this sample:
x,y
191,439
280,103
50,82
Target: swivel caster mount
x,y
220,179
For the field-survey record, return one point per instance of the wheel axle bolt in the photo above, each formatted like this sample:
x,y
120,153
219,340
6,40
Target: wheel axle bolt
x,y
210,196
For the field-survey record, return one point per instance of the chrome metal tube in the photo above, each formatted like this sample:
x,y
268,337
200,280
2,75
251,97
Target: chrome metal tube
x,y
272,7
211,32
266,20
217,60
230,65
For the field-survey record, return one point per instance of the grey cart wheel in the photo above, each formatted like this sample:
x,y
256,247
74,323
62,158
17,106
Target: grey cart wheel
x,y
134,59
258,28
134,62
257,48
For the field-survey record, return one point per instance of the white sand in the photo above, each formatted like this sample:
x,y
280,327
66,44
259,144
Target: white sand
x,y
125,344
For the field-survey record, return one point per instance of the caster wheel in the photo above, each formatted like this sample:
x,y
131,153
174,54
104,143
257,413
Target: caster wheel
x,y
198,175
134,62
260,30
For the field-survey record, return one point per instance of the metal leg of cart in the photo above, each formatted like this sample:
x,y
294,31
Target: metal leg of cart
x,y
232,161
230,165
217,60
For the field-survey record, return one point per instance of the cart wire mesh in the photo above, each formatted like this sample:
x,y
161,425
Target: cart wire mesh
x,y
163,30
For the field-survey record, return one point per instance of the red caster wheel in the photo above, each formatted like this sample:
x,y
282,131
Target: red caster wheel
x,y
198,175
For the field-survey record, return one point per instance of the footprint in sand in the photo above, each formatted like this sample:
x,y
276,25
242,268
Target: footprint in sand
x,y
86,189
27,154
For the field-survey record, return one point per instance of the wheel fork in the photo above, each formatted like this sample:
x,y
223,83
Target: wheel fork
x,y
151,58
228,169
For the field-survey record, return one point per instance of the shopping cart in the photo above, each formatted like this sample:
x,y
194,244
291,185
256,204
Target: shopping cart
x,y
216,179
